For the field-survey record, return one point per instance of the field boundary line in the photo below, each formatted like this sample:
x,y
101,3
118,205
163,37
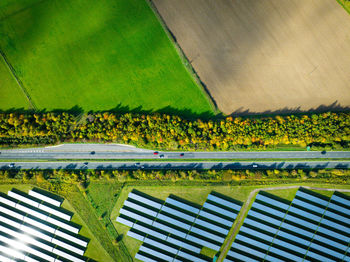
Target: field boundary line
x,y
18,81
185,61
247,203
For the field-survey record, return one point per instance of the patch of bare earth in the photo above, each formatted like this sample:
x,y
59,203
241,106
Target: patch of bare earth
x,y
265,55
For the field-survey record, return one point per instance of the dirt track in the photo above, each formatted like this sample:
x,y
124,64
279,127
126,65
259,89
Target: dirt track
x,y
265,55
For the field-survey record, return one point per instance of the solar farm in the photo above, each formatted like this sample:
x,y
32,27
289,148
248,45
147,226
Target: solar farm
x,y
312,227
175,229
34,227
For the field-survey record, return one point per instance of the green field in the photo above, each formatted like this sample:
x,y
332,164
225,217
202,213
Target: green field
x,y
11,96
95,55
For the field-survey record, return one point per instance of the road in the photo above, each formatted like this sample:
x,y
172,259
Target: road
x,y
114,151
175,165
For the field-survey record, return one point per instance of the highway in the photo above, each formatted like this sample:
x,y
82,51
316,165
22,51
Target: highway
x,y
113,151
174,165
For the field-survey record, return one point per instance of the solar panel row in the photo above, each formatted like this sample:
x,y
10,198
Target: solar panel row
x,y
36,212
302,232
29,232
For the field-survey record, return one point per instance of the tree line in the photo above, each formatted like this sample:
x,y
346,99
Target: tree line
x,y
161,131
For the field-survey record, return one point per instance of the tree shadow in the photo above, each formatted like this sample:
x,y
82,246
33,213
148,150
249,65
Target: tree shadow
x,y
333,107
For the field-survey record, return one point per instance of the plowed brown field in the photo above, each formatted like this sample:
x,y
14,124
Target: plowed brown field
x,y
265,55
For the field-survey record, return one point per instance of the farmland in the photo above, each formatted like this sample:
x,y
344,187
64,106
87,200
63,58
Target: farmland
x,y
263,56
92,55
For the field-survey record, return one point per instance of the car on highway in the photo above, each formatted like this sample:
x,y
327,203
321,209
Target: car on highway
x,y
11,165
182,154
161,156
155,153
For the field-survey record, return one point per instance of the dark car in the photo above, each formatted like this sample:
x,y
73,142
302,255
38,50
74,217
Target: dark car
x,y
182,154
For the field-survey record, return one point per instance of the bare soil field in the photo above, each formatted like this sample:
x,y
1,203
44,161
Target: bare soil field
x,y
259,56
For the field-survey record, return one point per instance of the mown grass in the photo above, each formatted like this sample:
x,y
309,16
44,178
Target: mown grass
x,y
96,55
11,96
94,249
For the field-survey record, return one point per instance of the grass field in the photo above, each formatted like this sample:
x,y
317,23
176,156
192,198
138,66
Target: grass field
x,y
11,96
95,55
266,56
94,249
198,195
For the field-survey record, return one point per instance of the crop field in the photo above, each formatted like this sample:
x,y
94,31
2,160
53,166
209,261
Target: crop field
x,y
93,55
268,55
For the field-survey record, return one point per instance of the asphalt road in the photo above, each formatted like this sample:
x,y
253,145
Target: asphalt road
x,y
113,151
175,165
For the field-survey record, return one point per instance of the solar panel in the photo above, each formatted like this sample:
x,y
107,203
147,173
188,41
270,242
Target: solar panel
x,y
150,231
211,226
284,254
341,200
333,234
203,242
249,250
190,257
224,202
272,201
144,258
305,214
215,218
257,234
269,210
326,250
34,202
293,238
288,226
178,213
160,245
311,198
207,234
155,253
169,229
125,221
182,205
335,225
339,208
234,255
183,244
291,247
45,198
264,217
173,221
145,200
136,216
331,243
140,208
135,235
294,219
220,210
308,206
336,216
